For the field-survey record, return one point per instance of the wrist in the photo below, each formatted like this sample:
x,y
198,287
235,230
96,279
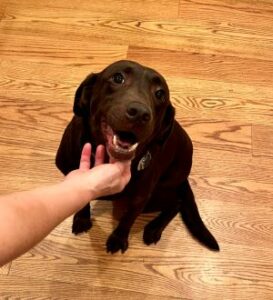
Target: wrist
x,y
78,192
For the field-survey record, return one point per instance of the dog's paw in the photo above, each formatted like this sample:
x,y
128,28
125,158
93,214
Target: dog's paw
x,y
116,243
81,225
151,235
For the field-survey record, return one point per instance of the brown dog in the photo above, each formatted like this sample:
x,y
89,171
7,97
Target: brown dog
x,y
127,108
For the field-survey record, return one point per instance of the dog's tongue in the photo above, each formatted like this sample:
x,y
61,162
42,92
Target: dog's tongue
x,y
123,144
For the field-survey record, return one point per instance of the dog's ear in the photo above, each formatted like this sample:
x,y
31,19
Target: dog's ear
x,y
83,96
166,125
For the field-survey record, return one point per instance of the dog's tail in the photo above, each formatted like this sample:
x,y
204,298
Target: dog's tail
x,y
191,218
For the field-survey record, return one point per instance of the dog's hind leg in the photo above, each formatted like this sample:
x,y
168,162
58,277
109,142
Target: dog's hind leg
x,y
153,230
82,220
192,219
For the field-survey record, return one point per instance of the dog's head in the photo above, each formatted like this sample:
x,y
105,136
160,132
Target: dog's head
x,y
125,105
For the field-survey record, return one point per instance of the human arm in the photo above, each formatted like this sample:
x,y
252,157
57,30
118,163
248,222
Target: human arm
x,y
27,217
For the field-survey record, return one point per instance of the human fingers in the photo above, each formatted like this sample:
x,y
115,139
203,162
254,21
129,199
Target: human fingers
x,y
100,155
85,157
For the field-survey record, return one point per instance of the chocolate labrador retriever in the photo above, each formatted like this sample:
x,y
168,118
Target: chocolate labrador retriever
x,y
127,108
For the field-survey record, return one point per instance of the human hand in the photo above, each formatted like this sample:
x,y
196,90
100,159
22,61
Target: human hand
x,y
101,180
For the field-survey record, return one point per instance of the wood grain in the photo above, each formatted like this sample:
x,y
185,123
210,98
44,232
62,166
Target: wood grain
x,y
79,24
214,134
213,67
208,163
2,11
15,286
262,140
204,99
214,9
117,9
217,58
53,51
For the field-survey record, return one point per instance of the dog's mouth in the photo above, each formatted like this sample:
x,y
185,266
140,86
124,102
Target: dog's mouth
x,y
120,145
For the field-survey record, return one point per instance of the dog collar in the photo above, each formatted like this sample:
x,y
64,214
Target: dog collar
x,y
144,161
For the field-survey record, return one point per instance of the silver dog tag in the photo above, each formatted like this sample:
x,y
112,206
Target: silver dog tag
x,y
144,161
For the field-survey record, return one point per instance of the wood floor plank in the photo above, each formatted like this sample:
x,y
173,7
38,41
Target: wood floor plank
x,y
246,179
237,10
215,134
198,99
30,135
230,276
78,24
233,18
211,162
246,17
246,192
52,51
26,168
206,66
158,9
262,140
14,287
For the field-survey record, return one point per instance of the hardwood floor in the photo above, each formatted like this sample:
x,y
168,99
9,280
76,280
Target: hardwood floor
x,y
217,57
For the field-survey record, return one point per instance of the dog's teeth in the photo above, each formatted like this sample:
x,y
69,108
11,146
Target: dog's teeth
x,y
133,147
115,140
119,148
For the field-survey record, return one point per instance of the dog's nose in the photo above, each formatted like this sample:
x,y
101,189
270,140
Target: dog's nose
x,y
138,112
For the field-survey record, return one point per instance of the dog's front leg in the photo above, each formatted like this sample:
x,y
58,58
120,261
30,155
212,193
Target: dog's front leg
x,y
118,240
150,173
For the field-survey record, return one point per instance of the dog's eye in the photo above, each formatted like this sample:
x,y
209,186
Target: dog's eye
x,y
160,95
118,78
